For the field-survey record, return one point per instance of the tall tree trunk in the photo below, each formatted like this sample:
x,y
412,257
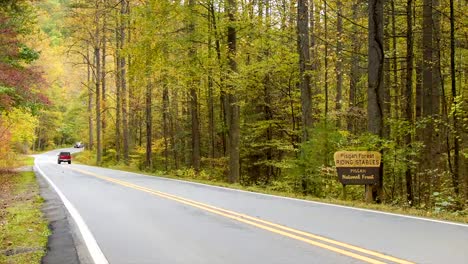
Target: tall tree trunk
x,y
313,46
234,128
103,71
314,58
409,95
375,91
419,94
429,159
456,146
165,119
304,66
118,99
90,102
97,59
339,63
224,99
268,115
268,112
193,94
387,78
437,76
325,81
123,76
149,123
226,117
211,116
294,137
304,75
437,86
186,119
174,123
395,86
195,129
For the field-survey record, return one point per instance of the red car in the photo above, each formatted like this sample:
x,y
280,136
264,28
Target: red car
x,y
64,157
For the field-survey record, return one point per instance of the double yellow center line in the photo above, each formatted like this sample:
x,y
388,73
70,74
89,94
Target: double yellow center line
x,y
362,254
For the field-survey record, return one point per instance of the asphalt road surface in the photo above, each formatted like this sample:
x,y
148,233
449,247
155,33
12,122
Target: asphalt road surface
x,y
131,218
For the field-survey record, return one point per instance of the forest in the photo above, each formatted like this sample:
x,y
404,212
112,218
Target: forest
x,y
253,92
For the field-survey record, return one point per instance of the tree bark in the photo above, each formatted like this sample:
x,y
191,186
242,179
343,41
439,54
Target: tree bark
x,y
325,57
211,116
173,123
304,66
123,76
90,102
193,95
118,99
97,59
224,99
234,128
428,161
103,71
314,58
427,133
395,86
456,146
375,91
409,96
267,86
165,119
195,130
149,124
437,86
419,95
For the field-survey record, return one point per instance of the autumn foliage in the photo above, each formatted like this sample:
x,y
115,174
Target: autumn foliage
x,y
21,87
19,84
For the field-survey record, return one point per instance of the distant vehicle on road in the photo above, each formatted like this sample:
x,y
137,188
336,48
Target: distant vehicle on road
x,y
78,145
64,157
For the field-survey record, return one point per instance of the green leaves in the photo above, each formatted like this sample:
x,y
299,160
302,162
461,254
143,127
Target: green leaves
x,y
27,54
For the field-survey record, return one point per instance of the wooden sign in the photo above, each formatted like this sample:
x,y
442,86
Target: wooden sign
x,y
358,167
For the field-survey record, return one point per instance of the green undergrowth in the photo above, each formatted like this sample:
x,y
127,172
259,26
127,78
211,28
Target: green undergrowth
x,y
27,160
23,229
88,158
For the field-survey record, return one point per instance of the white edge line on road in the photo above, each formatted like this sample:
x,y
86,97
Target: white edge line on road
x,y
295,199
93,248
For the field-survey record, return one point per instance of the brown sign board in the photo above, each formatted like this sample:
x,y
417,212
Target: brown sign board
x,y
358,167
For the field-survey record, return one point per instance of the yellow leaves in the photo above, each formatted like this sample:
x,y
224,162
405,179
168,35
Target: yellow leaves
x,y
21,125
16,128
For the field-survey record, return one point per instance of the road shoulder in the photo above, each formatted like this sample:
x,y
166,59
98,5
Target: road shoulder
x,y
23,229
65,244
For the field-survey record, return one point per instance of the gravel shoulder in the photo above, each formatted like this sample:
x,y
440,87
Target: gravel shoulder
x,y
65,244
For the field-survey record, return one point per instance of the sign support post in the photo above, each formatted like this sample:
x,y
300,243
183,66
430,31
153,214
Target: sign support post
x,y
344,192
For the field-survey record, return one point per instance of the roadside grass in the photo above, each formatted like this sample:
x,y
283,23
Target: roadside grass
x,y
88,158
23,230
26,160
84,157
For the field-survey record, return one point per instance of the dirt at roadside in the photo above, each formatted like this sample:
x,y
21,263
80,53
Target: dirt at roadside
x,y
6,193
9,191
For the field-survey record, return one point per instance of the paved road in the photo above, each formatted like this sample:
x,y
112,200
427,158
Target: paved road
x,y
141,219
